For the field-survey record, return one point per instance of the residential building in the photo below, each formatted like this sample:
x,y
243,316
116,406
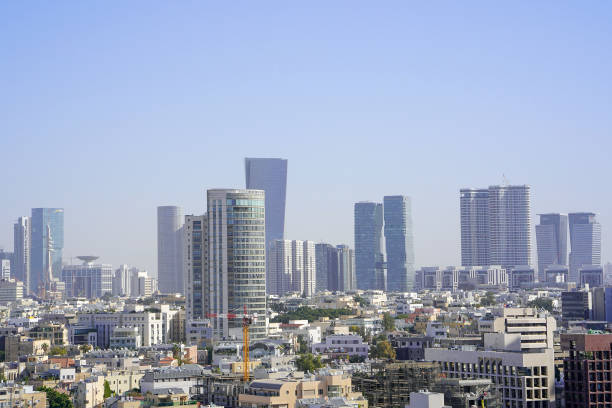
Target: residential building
x,y
269,175
88,280
141,285
16,346
5,268
125,337
551,239
21,250
184,377
285,392
237,260
591,275
495,226
89,392
586,369
335,268
170,249
56,333
399,243
585,242
342,345
474,209
346,268
292,267
122,281
45,222
21,396
195,258
535,329
369,260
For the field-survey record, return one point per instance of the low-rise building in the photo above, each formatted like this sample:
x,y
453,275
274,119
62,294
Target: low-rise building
x,y
342,344
21,396
184,377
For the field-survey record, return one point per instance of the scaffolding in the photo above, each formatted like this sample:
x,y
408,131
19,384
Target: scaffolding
x,y
390,384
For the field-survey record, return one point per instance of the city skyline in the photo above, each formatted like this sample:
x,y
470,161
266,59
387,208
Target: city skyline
x,y
359,112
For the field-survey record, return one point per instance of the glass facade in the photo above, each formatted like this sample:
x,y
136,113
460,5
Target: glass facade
x,y
369,259
41,218
399,243
237,264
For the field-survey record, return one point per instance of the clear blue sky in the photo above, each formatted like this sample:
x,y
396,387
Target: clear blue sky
x,y
110,108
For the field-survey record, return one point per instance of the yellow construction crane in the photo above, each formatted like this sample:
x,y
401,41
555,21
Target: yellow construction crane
x,y
247,320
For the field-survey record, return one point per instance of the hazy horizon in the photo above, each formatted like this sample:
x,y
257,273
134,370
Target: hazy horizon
x,y
112,109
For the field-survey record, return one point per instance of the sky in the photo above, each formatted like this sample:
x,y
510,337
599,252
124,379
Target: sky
x,y
109,109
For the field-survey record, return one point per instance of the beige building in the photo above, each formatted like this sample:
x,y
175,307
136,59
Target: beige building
x,y
56,333
121,381
17,345
22,396
90,393
536,330
284,393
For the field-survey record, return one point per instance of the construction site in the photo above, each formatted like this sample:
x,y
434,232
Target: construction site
x,y
390,385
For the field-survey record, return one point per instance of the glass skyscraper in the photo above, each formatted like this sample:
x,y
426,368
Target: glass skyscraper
x,y
551,239
270,175
399,243
41,218
585,242
237,259
369,259
170,249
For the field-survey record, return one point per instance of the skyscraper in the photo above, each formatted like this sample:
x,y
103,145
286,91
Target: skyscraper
x,y
399,243
237,259
327,276
170,249
551,239
292,267
498,233
53,218
195,255
346,268
585,242
121,281
474,205
369,259
88,280
510,225
21,251
270,175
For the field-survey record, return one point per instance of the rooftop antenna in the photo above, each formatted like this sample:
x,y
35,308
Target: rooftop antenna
x,y
505,180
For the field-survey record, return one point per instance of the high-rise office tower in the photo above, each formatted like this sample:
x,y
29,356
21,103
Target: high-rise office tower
x,y
237,259
46,222
474,205
399,243
585,242
88,280
195,255
498,232
21,251
510,225
551,239
170,249
326,275
270,175
369,259
346,268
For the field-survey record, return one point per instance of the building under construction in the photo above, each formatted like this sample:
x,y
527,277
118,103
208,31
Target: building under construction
x,y
468,393
390,384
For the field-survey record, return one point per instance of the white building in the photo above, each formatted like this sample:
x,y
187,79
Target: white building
x,y
292,267
87,280
122,281
184,377
21,251
125,337
11,290
340,344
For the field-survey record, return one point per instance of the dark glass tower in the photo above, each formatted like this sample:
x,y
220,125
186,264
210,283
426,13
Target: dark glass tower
x,y
585,242
369,259
399,243
270,175
41,218
551,239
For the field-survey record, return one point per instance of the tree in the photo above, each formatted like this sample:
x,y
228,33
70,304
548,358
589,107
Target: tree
x,y
308,363
388,322
542,303
356,359
358,330
45,347
383,349
85,348
58,351
107,390
56,399
488,299
303,345
310,314
362,302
